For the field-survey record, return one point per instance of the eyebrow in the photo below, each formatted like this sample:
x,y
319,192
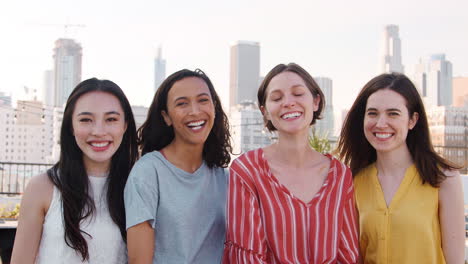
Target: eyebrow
x,y
387,110
107,113
186,98
293,86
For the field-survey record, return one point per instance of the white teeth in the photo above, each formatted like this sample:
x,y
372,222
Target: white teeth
x,y
383,135
291,115
196,124
100,145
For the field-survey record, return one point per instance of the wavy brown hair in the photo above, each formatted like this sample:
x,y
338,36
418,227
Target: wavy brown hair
x,y
155,134
69,173
357,152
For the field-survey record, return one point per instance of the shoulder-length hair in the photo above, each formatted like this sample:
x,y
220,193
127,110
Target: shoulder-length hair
x,y
309,81
155,134
69,173
358,153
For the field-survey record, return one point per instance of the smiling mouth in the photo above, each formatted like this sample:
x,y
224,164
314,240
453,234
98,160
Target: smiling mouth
x,y
383,135
196,125
291,115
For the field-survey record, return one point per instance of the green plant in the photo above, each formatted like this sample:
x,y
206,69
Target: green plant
x,y
5,213
319,142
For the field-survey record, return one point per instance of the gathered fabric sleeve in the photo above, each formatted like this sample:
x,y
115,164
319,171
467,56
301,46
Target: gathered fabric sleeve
x,y
348,248
245,236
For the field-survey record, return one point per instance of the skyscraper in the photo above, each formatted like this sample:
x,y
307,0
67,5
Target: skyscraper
x,y
245,72
433,77
326,126
391,59
159,69
67,68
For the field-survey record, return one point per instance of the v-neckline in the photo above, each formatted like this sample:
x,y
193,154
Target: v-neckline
x,y
287,191
408,178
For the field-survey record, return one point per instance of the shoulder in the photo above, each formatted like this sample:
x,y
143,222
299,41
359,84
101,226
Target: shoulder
x,y
39,191
249,160
149,162
452,182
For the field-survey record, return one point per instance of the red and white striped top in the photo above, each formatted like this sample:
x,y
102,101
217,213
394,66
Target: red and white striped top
x,y
267,224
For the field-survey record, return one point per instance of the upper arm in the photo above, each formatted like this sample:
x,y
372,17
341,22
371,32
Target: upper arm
x,y
141,194
140,243
349,246
245,238
34,205
451,215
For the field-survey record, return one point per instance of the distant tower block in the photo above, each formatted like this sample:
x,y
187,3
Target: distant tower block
x,y
67,69
391,58
159,69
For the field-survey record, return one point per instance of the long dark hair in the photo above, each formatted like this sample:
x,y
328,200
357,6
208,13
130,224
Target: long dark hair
x,y
69,173
308,80
358,153
155,134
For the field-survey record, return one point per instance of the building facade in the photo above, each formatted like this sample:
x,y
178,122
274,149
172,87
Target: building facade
x,y
326,126
449,132
67,69
460,91
244,72
159,70
433,78
391,57
247,128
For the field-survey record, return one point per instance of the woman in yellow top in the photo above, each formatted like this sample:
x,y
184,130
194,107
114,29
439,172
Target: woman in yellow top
x,y
410,199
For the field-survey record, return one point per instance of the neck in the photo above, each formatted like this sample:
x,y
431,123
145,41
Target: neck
x,y
394,162
187,157
97,169
294,149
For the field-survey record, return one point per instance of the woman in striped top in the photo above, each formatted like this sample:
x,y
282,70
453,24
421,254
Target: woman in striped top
x,y
288,203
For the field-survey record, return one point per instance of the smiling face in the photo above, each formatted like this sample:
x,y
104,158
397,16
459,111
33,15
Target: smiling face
x,y
190,111
289,104
98,126
387,121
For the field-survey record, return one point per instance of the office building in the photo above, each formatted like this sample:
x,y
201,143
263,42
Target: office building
x,y
391,57
67,69
244,72
159,70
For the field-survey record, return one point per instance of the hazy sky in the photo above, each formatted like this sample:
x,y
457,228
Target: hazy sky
x,y
337,39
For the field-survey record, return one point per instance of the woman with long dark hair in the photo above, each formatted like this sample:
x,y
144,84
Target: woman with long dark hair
x,y
288,203
75,213
176,193
410,199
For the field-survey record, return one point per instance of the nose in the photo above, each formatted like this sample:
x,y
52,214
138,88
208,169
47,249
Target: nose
x,y
194,109
381,121
289,101
98,129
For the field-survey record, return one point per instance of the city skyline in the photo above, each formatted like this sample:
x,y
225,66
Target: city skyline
x,y
340,40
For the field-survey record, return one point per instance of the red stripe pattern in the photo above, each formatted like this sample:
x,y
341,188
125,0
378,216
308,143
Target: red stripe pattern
x,y
267,224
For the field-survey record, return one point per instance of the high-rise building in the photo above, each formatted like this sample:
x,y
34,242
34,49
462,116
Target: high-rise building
x,y
449,132
391,59
326,126
244,72
48,88
433,77
159,69
5,100
67,68
247,128
460,91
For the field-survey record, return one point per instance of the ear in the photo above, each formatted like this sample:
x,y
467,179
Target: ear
x,y
413,120
265,112
316,102
166,117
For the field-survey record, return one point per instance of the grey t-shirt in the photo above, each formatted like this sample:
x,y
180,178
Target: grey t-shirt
x,y
187,210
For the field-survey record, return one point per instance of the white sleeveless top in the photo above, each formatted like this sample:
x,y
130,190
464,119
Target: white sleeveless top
x,y
106,244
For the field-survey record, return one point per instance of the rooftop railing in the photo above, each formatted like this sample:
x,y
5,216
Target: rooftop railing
x,y
15,176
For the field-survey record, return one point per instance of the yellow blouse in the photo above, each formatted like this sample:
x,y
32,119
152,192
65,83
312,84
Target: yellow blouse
x,y
407,231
